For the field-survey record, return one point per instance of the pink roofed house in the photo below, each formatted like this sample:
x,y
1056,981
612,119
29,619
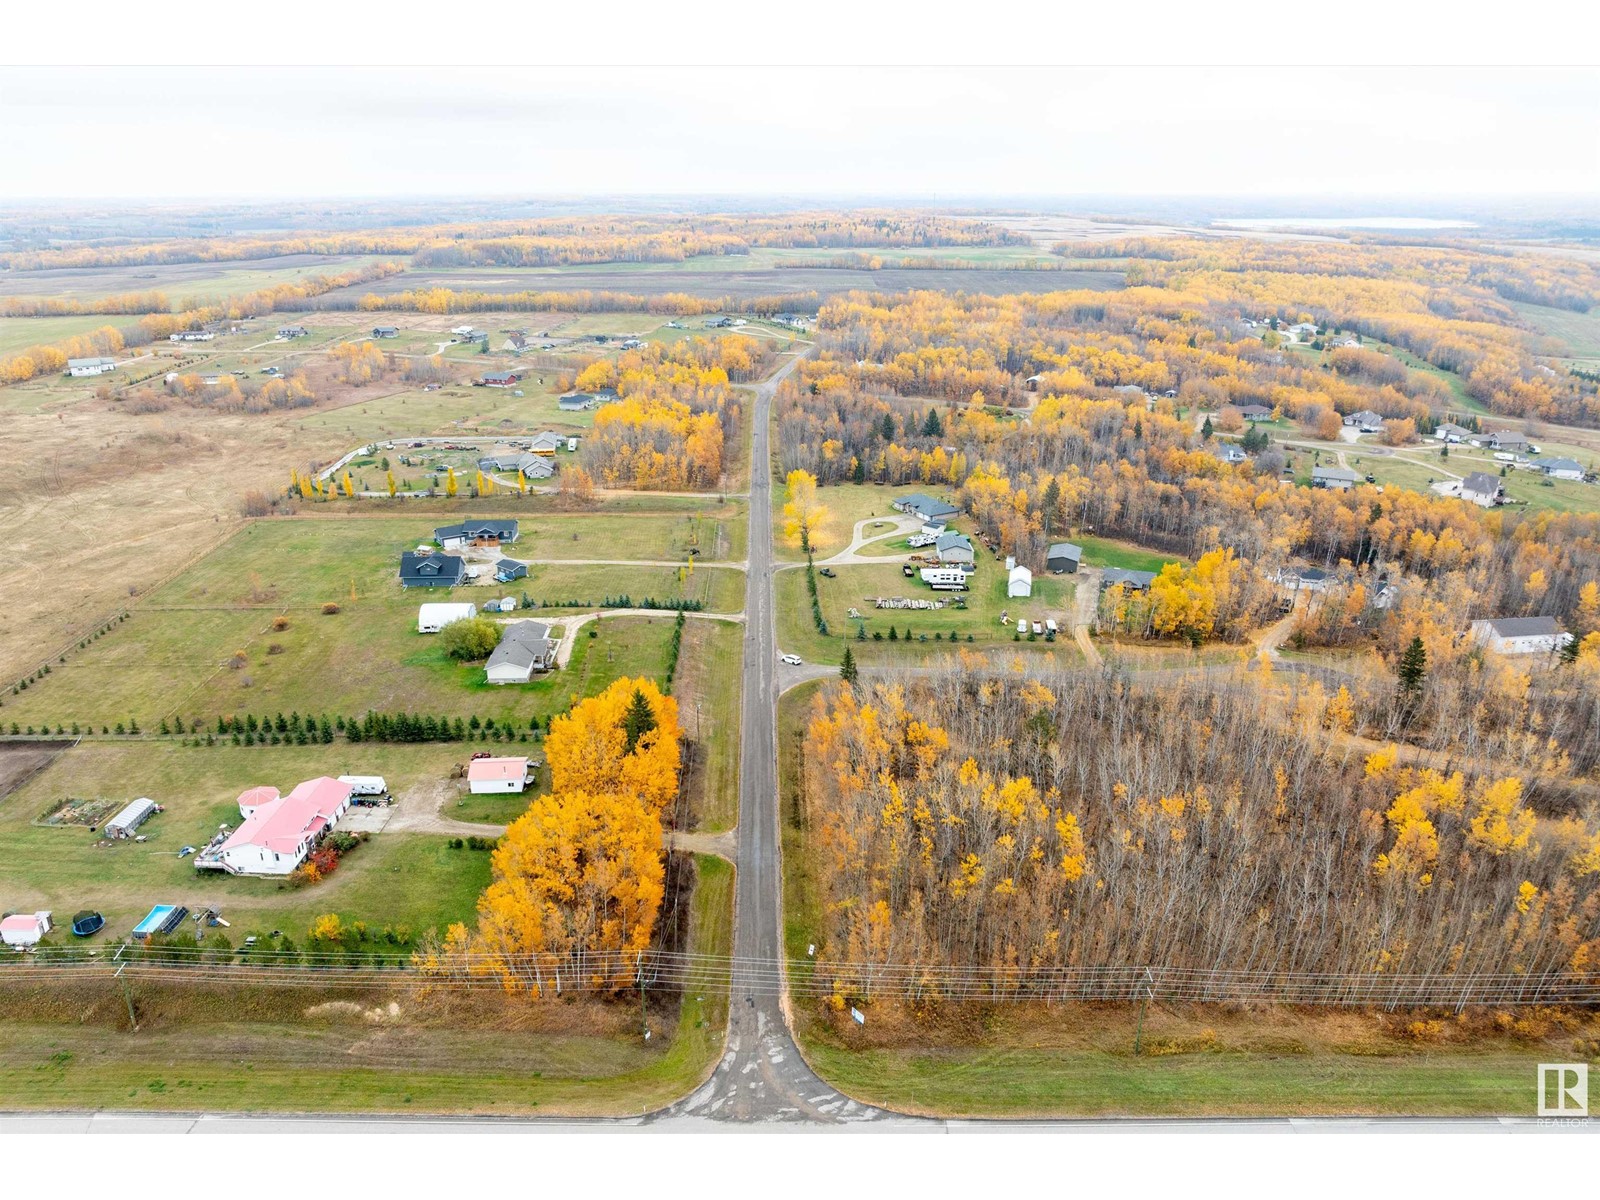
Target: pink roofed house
x,y
497,775
280,831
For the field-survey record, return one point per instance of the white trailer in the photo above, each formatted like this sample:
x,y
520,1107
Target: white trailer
x,y
945,579
1050,627
365,785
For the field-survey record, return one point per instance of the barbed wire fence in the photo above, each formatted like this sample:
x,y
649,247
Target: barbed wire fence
x,y
808,978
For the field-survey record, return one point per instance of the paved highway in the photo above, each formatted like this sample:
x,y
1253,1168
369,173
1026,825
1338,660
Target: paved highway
x,y
762,1077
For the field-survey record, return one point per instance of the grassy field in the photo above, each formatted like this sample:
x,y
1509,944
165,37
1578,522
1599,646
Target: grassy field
x,y
1579,331
707,688
245,1051
855,586
62,868
18,333
1106,552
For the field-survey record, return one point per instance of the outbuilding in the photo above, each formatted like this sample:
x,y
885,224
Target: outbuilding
x,y
1520,635
131,817
385,331
1020,583
1063,558
24,929
488,776
431,618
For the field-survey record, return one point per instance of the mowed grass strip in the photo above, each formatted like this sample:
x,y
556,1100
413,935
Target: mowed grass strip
x,y
708,688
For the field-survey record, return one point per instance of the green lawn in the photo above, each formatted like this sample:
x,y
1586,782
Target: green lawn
x,y
1106,552
177,663
846,503
414,1059
719,589
856,586
395,879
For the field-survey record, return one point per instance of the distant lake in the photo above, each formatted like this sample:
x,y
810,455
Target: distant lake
x,y
1344,223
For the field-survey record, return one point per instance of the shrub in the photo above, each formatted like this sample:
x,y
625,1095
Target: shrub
x,y
471,639
330,609
280,623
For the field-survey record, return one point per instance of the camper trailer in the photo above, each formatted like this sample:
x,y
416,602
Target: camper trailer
x,y
945,579
365,785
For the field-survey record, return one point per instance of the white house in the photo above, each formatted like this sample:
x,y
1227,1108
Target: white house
x,y
278,834
1451,432
525,647
1482,488
1520,635
77,367
253,798
1561,468
487,775
24,929
431,618
1365,421
1020,582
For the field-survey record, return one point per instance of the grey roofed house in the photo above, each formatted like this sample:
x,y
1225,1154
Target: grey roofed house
x,y
606,395
953,547
538,467
1254,412
509,569
547,442
1503,439
1481,487
431,570
385,331
505,458
1229,453
1519,627
1366,420
1063,557
575,402
525,646
926,507
1561,466
480,529
1450,430
1138,581
1334,477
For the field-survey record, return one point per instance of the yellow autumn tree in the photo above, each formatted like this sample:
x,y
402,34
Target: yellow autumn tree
x,y
803,515
623,741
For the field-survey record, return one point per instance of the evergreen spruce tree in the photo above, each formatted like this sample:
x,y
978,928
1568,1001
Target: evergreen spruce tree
x,y
847,668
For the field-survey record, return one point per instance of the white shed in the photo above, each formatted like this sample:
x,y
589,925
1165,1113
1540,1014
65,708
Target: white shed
x,y
431,618
487,775
24,929
1020,582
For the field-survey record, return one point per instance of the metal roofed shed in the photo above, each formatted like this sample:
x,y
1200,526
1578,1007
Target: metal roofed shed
x,y
131,817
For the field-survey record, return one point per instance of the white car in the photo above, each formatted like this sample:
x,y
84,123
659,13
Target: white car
x,y
793,660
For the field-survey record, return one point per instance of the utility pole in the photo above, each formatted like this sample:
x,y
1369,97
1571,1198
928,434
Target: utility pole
x,y
1144,1005
127,992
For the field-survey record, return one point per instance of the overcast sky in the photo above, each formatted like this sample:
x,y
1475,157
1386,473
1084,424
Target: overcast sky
x,y
265,133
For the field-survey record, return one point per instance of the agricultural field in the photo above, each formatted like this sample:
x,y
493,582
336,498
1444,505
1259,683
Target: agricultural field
x,y
1578,331
204,281
855,586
